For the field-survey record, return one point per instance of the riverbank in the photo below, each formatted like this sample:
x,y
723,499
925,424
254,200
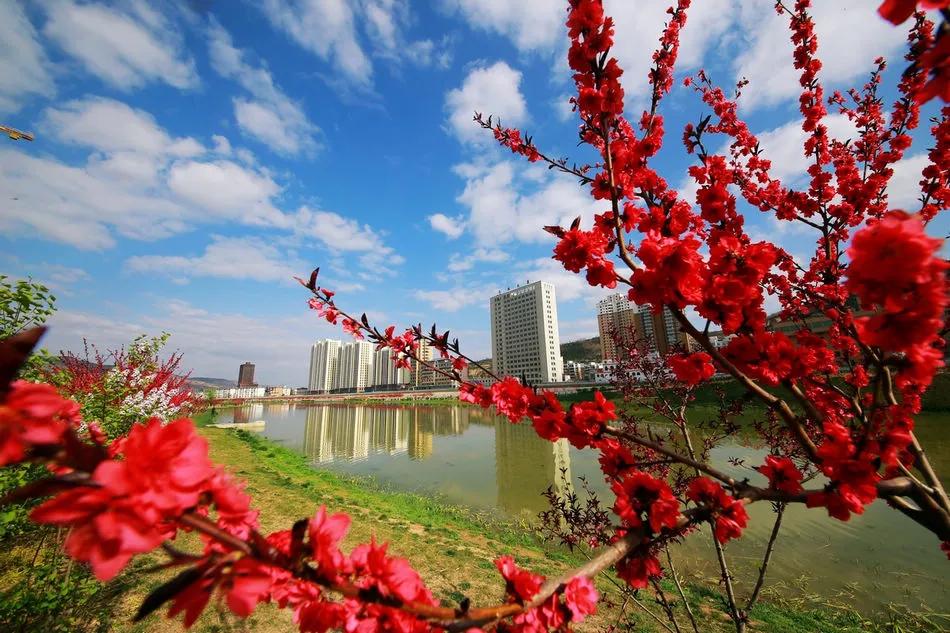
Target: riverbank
x,y
452,547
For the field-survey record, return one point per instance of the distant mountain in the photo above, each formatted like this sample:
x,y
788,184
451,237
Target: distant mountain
x,y
201,383
582,350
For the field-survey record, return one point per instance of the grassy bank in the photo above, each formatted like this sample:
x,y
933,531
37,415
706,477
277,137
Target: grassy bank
x,y
452,547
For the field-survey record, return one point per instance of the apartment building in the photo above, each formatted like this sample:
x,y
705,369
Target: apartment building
x,y
524,333
323,364
618,320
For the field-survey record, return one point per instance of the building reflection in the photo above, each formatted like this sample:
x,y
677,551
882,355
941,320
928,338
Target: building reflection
x,y
248,413
276,410
354,433
526,466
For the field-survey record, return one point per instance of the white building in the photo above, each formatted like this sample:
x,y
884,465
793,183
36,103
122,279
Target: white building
x,y
385,372
240,393
323,359
354,370
720,340
524,335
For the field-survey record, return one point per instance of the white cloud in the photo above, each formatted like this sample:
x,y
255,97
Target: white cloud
x,y
492,90
568,286
24,68
227,190
563,107
530,24
538,26
850,36
386,22
452,227
325,28
903,191
458,297
222,145
126,49
271,117
639,26
459,262
79,206
136,180
340,234
500,210
214,343
429,53
226,257
62,280
784,145
112,126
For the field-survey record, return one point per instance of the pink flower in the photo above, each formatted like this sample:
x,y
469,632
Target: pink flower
x,y
522,584
580,597
326,533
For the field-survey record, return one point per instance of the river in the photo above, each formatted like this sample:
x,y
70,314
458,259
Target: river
x,y
471,457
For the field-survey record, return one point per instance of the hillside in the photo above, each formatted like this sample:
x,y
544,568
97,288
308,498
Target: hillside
x,y
582,350
201,383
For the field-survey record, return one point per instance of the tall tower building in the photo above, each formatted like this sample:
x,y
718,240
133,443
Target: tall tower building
x,y
323,359
524,334
354,367
424,352
617,317
385,372
246,375
662,331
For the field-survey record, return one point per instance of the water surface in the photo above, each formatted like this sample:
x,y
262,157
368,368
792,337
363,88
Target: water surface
x,y
472,457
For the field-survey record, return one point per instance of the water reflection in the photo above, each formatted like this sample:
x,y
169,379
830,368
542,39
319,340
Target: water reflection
x,y
526,465
247,413
334,433
471,457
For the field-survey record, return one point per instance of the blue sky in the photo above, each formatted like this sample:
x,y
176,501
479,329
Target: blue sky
x,y
188,160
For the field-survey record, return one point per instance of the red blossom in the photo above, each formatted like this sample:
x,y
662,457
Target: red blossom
x,y
326,532
474,393
33,414
896,11
511,398
642,496
522,584
638,569
352,328
782,474
729,514
580,597
164,471
692,369
586,420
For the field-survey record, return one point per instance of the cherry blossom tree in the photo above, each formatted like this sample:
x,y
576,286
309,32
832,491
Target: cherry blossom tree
x,y
841,407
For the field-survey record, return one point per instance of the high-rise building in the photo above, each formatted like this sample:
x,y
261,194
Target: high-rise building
x,y
354,367
434,375
662,332
246,375
424,353
385,372
323,360
524,335
618,320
